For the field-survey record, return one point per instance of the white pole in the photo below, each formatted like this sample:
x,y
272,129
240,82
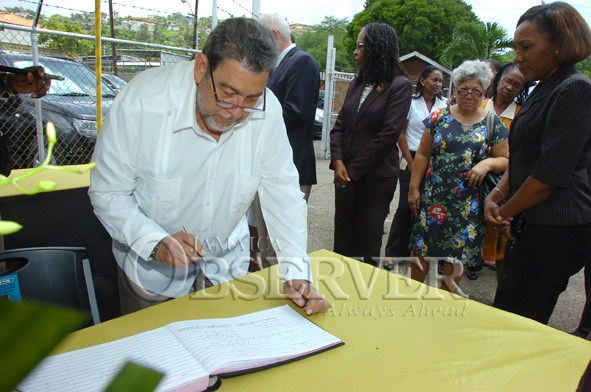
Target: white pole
x,y
329,81
256,8
38,108
214,14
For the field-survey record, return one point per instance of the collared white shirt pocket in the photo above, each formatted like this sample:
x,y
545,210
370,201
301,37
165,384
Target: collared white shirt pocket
x,y
159,199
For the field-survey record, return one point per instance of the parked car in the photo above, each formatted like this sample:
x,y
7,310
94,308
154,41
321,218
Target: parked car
x,y
319,117
318,120
70,104
114,81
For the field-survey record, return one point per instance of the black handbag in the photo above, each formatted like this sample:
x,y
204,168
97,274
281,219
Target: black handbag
x,y
518,225
491,179
5,154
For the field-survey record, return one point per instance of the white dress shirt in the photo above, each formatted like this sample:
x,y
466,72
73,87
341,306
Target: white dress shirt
x,y
285,52
156,171
509,112
416,114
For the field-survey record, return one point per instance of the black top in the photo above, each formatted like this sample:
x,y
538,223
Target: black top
x,y
296,82
550,140
364,137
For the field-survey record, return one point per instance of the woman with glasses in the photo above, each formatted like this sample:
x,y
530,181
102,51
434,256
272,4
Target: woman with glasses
x,y
424,102
363,143
448,163
508,92
547,183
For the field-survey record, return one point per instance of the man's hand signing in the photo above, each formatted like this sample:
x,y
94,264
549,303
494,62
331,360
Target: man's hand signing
x,y
179,250
306,296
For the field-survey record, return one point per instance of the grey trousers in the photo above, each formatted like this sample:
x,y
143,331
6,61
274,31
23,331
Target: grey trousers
x,y
268,255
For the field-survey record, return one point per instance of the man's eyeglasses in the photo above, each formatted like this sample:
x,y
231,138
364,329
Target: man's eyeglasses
x,y
228,105
360,45
475,93
508,82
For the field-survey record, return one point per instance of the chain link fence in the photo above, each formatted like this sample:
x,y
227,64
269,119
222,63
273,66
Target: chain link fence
x,y
71,103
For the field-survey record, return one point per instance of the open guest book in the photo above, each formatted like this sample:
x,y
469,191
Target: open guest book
x,y
189,353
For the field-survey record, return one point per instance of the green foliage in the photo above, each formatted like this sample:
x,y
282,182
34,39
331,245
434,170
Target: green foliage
x,y
205,22
476,40
29,332
585,67
144,34
315,43
135,378
507,57
422,25
65,44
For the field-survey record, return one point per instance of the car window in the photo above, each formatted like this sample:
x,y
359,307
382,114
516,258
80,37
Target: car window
x,y
116,81
78,80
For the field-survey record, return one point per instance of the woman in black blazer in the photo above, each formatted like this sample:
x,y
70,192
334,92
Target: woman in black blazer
x,y
364,155
547,179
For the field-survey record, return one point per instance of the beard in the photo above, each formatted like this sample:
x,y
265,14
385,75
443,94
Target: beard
x,y
211,118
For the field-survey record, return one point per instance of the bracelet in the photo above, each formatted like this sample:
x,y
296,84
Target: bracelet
x,y
153,254
500,191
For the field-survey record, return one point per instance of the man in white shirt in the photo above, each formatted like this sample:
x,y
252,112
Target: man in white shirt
x,y
180,157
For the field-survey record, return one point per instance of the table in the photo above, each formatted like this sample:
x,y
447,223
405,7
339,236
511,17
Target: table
x,y
399,334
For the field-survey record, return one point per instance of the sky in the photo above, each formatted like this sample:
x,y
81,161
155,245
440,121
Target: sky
x,y
504,12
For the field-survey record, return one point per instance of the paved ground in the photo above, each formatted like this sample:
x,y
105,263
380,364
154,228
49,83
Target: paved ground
x,y
320,236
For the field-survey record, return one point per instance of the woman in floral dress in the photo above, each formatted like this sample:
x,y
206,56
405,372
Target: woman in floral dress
x,y
448,163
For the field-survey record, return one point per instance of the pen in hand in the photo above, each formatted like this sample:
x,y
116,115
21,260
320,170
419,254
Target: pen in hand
x,y
200,252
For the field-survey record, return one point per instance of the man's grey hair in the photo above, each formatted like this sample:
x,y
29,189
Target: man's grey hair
x,y
472,69
243,40
276,22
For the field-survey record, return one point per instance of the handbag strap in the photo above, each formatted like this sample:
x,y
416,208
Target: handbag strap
x,y
490,123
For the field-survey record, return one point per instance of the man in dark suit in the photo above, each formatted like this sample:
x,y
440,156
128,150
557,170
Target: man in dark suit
x,y
295,82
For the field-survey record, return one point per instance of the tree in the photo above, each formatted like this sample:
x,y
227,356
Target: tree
x,y
422,25
476,40
65,44
315,43
158,35
507,57
585,66
143,33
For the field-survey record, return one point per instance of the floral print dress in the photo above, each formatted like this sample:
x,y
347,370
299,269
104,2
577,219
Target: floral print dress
x,y
450,221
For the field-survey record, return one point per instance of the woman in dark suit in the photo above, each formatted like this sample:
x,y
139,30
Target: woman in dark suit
x,y
547,179
363,143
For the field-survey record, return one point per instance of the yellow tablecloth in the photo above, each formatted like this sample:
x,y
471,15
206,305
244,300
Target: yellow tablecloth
x,y
399,335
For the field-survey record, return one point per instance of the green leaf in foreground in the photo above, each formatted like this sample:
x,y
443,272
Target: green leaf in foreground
x,y
28,333
135,378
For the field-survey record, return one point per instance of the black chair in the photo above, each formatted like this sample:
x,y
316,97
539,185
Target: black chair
x,y
57,275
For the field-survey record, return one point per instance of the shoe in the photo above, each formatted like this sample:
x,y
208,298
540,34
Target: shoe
x,y
461,293
473,275
493,266
388,266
